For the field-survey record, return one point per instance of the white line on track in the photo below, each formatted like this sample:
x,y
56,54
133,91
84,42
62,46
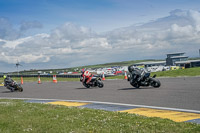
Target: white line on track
x,y
110,103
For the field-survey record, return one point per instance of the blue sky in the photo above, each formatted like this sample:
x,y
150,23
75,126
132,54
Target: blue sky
x,y
100,15
67,29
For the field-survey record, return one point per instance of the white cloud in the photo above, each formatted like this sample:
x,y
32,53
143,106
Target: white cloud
x,y
71,45
13,44
182,31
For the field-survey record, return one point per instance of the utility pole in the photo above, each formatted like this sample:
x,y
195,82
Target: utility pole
x,y
17,65
199,52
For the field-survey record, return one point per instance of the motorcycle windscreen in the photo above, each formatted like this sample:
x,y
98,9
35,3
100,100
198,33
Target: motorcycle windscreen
x,y
147,75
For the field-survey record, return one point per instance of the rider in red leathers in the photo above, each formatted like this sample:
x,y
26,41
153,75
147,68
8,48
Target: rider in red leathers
x,y
87,76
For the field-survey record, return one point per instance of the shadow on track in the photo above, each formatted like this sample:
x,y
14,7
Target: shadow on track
x,y
82,88
6,92
137,88
87,88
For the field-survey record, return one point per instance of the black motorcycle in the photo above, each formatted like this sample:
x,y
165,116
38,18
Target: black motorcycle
x,y
95,81
143,79
14,86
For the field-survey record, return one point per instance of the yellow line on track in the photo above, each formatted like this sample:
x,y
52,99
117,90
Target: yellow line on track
x,y
75,104
172,115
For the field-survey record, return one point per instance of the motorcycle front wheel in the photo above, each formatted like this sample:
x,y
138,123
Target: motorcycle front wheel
x,y
100,84
19,88
136,85
155,83
86,85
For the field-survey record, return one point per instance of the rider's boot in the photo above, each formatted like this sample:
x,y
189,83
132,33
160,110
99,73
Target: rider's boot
x,y
11,88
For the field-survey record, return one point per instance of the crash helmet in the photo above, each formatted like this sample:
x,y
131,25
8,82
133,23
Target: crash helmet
x,y
83,70
4,76
87,73
131,68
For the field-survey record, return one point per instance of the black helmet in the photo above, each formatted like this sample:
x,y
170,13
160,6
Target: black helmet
x,y
130,68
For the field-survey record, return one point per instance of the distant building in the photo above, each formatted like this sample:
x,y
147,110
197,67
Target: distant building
x,y
173,61
174,57
151,63
188,63
152,66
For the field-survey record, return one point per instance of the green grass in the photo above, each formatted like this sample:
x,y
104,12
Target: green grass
x,y
17,117
116,77
42,79
179,73
123,63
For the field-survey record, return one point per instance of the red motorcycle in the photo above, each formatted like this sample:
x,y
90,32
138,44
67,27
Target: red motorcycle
x,y
95,81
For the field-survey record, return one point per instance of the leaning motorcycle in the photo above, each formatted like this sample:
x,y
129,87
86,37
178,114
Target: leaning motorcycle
x,y
146,80
14,86
95,81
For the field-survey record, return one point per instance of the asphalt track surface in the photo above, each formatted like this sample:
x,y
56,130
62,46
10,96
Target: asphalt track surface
x,y
181,93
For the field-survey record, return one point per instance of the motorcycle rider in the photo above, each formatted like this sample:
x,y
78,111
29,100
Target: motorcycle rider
x,y
137,72
87,76
8,83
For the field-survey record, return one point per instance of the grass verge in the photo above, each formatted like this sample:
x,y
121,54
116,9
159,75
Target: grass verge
x,y
180,72
17,116
42,79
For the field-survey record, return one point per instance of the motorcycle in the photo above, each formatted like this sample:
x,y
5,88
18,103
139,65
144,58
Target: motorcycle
x,y
95,81
143,79
14,86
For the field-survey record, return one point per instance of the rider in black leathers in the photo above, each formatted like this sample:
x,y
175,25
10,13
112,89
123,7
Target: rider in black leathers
x,y
141,77
8,83
137,72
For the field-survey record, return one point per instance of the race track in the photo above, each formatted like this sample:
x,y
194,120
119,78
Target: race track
x,y
182,93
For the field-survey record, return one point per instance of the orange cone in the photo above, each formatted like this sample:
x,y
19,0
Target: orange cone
x,y
54,79
125,76
103,78
39,82
22,82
